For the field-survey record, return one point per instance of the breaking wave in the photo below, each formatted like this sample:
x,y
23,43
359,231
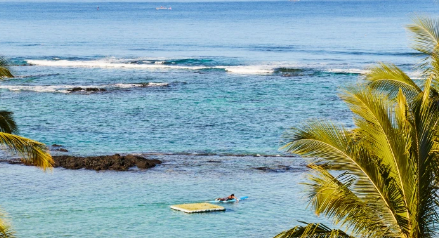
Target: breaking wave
x,y
205,65
79,88
197,65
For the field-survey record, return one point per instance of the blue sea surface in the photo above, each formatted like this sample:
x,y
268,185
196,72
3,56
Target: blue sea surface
x,y
207,87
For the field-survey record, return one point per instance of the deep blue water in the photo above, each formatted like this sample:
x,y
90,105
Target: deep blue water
x,y
223,78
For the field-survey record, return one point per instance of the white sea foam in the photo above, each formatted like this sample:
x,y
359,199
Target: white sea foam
x,y
66,88
348,71
254,69
105,64
415,74
156,84
126,85
149,65
112,63
411,74
133,85
42,89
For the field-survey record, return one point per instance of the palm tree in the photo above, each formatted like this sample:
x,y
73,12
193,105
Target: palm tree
x,y
32,152
379,179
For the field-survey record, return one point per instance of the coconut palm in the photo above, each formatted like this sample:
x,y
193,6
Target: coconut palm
x,y
31,152
380,178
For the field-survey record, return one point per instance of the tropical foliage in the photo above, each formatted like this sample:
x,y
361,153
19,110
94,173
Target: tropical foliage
x,y
380,178
32,152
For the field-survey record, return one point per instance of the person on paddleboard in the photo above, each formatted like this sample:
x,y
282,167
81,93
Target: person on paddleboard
x,y
231,197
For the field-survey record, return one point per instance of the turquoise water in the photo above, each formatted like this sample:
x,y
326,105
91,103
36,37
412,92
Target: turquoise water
x,y
210,86
136,204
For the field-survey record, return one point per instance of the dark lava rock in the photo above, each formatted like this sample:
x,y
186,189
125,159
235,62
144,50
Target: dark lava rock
x,y
144,85
75,89
60,148
279,168
107,162
214,161
80,89
95,89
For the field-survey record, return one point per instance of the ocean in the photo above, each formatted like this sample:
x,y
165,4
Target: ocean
x,y
207,87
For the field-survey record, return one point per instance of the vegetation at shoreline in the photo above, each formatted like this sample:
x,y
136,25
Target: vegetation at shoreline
x,y
379,179
32,152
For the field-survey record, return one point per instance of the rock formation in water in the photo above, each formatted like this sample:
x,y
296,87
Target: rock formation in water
x,y
108,162
80,89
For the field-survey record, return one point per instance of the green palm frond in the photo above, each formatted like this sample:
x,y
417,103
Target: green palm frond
x,y
426,34
426,164
33,152
378,133
325,142
390,161
4,69
434,72
388,78
313,230
334,197
5,229
320,140
7,123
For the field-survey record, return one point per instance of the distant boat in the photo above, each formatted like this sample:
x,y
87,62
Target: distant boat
x,y
163,8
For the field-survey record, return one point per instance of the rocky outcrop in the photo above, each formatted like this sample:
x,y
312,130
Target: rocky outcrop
x,y
80,89
280,168
59,148
109,162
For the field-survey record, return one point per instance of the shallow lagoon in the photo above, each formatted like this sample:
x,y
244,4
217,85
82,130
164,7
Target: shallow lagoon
x,y
136,203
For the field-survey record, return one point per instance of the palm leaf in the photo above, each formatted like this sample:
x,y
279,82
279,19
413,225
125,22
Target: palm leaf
x,y
313,230
5,228
424,205
434,72
33,152
334,197
390,79
379,134
426,34
325,142
7,123
4,69
320,140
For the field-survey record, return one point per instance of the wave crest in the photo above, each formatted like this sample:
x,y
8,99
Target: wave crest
x,y
79,88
